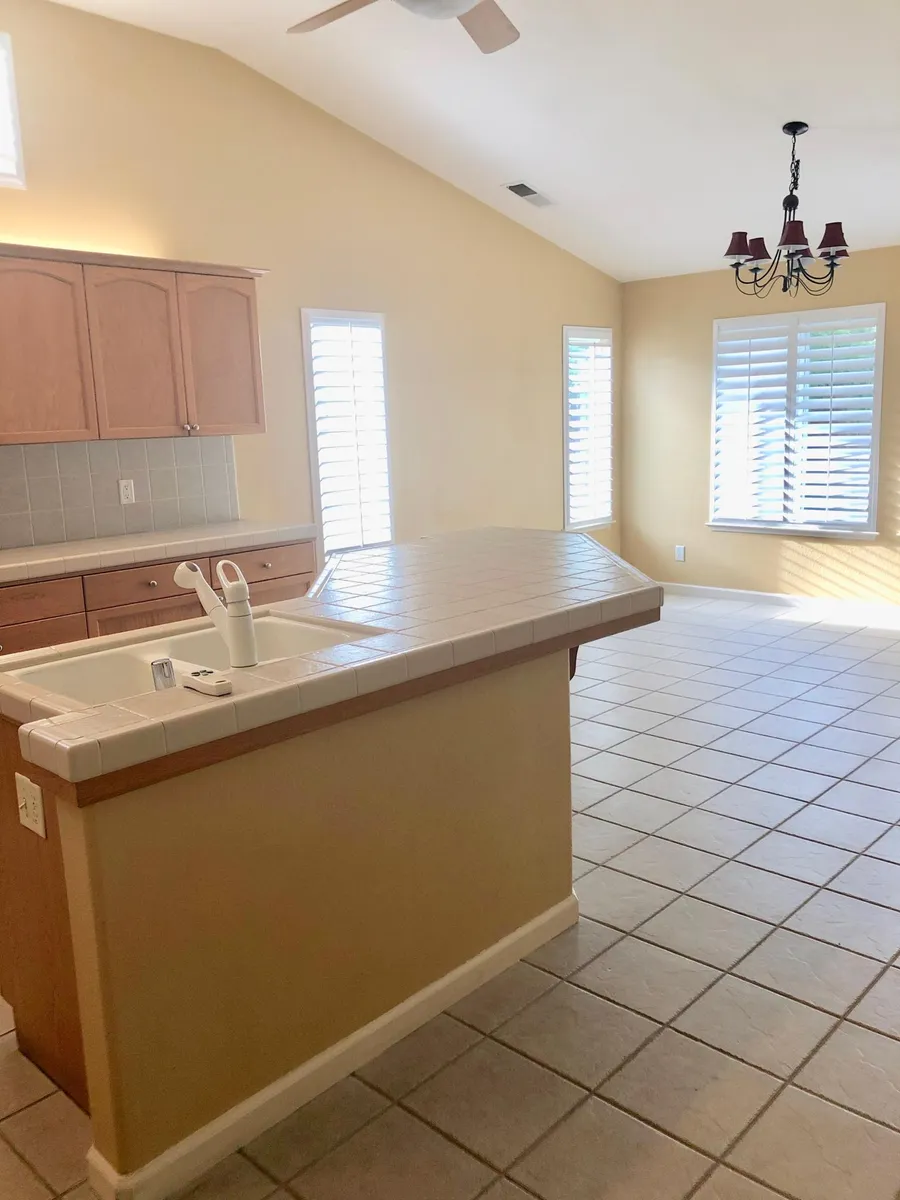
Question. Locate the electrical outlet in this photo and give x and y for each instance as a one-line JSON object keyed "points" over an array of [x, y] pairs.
{"points": [[31, 805], [126, 491], [679, 553]]}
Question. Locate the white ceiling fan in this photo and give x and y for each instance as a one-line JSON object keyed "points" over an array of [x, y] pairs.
{"points": [[483, 20]]}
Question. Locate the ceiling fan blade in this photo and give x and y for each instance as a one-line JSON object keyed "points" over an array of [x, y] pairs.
{"points": [[489, 27], [332, 14]]}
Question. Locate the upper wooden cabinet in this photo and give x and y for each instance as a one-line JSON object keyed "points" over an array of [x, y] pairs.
{"points": [[46, 388], [95, 345], [220, 336], [136, 347]]}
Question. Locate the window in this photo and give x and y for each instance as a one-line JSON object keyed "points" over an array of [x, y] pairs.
{"points": [[12, 173], [345, 371], [589, 426], [796, 406]]}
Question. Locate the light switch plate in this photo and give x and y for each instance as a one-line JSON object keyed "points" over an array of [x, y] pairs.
{"points": [[679, 553], [31, 805]]}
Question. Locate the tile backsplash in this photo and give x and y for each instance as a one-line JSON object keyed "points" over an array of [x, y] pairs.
{"points": [[66, 491]]}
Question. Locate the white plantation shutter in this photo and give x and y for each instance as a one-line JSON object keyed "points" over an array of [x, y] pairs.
{"points": [[795, 420], [11, 170], [345, 354], [589, 426]]}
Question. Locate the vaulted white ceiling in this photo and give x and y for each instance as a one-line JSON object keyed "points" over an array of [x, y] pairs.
{"points": [[653, 125]]}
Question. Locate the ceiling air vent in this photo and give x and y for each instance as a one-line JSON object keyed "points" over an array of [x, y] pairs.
{"points": [[527, 192]]}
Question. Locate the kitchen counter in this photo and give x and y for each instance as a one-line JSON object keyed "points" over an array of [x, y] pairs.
{"points": [[93, 554], [433, 607]]}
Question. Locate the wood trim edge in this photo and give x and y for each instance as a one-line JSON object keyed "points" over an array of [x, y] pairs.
{"points": [[157, 770]]}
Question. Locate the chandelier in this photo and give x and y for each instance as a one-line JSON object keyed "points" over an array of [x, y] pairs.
{"points": [[794, 266]]}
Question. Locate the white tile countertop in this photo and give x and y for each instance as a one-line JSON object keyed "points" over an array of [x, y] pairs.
{"points": [[432, 605], [72, 558]]}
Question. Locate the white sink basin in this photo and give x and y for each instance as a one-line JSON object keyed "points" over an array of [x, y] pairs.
{"points": [[109, 675]]}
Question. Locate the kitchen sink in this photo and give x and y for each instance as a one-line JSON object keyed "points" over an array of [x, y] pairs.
{"points": [[105, 676]]}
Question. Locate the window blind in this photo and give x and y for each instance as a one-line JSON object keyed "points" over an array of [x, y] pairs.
{"points": [[589, 426], [11, 169], [795, 420], [346, 371]]}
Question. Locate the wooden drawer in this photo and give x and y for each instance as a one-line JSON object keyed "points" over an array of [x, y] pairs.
{"points": [[32, 635], [134, 585], [268, 591], [126, 617], [273, 562], [29, 602]]}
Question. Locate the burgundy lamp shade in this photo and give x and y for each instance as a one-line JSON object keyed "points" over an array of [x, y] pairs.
{"points": [[833, 239], [758, 251], [794, 237], [738, 249]]}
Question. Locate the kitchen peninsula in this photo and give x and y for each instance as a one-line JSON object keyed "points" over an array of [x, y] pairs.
{"points": [[308, 869]]}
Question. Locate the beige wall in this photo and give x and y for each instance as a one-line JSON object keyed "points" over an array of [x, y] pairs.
{"points": [[148, 145], [666, 438], [234, 922]]}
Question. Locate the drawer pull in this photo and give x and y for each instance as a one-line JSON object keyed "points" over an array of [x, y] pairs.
{"points": [[194, 428], [186, 428], [268, 566], [152, 583]]}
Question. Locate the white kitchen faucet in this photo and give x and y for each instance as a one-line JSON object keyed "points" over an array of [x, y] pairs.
{"points": [[234, 618]]}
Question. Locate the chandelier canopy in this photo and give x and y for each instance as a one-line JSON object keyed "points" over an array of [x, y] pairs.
{"points": [[794, 266]]}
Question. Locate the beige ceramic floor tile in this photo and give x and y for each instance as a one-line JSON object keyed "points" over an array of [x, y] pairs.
{"points": [[501, 998], [597, 736], [494, 1102], [504, 1190], [600, 1153], [21, 1083], [596, 840], [667, 864], [878, 773], [54, 1137], [823, 975], [876, 803], [607, 767], [587, 792], [315, 1129], [419, 1056], [759, 1026], [647, 978], [16, 1181], [880, 1007], [233, 1179], [748, 804], [887, 847], [636, 811], [685, 729], [871, 879], [692, 1091], [680, 786], [622, 901], [705, 830], [815, 1151], [797, 858], [728, 1185], [754, 892], [859, 1069], [580, 866], [785, 781], [835, 828], [575, 948], [394, 1158], [715, 935], [577, 1034], [648, 747], [752, 745], [715, 765], [7, 1024], [851, 923]]}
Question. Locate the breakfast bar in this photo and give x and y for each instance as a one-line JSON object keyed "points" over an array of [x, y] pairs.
{"points": [[374, 822]]}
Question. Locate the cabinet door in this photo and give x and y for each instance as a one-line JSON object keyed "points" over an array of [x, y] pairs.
{"points": [[220, 336], [136, 348], [46, 388], [126, 617]]}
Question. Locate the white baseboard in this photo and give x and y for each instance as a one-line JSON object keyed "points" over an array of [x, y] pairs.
{"points": [[180, 1165], [823, 608]]}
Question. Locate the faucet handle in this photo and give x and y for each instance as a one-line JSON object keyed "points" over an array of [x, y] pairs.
{"points": [[163, 674]]}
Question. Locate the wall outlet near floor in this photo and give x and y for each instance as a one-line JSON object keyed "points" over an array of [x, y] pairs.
{"points": [[126, 491], [679, 553], [31, 805]]}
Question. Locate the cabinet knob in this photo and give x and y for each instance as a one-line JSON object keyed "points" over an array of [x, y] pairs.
{"points": [[268, 566], [152, 583], [186, 428], [194, 428]]}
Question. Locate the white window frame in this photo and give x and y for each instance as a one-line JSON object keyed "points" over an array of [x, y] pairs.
{"points": [[844, 532], [8, 96], [308, 316], [586, 331]]}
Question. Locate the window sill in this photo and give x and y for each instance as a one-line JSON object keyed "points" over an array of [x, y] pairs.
{"points": [[586, 526], [845, 535]]}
